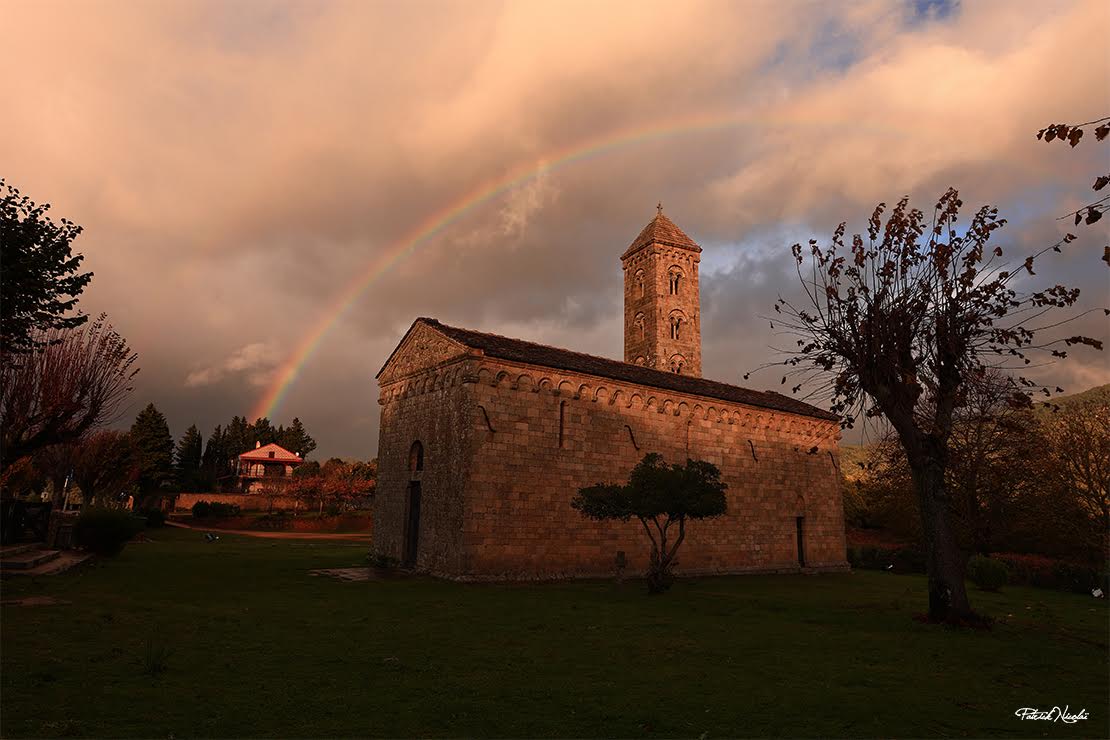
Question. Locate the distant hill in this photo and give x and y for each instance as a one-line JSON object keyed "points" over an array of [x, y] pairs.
{"points": [[851, 458], [1099, 393], [851, 455]]}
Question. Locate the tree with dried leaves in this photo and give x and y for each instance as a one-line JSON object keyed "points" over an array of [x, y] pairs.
{"points": [[337, 485], [897, 324], [68, 382], [989, 477], [39, 274], [1072, 133], [659, 496]]}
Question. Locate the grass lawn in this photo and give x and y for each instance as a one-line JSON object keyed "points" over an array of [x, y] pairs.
{"points": [[254, 646]]}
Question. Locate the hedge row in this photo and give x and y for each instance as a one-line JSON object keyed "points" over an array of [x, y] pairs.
{"points": [[1020, 570], [215, 509]]}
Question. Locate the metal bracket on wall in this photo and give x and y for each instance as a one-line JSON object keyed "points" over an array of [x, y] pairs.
{"points": [[486, 417], [632, 437]]}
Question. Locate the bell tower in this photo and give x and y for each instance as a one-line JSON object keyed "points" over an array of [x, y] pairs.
{"points": [[662, 307]]}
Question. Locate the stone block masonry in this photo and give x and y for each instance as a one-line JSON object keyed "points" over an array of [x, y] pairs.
{"points": [[485, 441], [507, 445]]}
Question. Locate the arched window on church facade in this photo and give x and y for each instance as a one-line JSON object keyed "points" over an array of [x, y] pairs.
{"points": [[640, 283], [677, 363], [676, 326], [639, 323], [641, 360], [416, 457], [675, 279]]}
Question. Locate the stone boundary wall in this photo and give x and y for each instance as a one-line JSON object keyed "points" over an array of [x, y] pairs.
{"points": [[245, 501]]}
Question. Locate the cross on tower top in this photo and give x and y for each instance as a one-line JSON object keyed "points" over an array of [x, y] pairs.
{"points": [[659, 208]]}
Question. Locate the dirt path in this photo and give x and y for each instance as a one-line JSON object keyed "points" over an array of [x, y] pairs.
{"points": [[349, 536]]}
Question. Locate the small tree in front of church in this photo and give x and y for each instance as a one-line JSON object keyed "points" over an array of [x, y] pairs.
{"points": [[660, 496]]}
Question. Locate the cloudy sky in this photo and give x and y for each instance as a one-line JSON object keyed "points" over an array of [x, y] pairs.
{"points": [[242, 168]]}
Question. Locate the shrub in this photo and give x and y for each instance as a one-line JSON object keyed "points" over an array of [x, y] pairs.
{"points": [[1061, 575], [987, 573], [215, 509], [155, 518], [894, 559], [222, 510], [105, 531], [377, 560]]}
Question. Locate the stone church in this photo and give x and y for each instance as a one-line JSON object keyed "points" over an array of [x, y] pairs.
{"points": [[486, 439]]}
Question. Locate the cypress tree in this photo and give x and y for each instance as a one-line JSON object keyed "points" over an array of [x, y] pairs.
{"points": [[153, 445], [188, 459]]}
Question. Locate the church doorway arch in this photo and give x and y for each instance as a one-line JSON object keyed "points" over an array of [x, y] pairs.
{"points": [[410, 548]]}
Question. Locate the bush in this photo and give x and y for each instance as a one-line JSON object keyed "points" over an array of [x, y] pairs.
{"points": [[222, 510], [215, 509], [1061, 575], [987, 573], [894, 559], [105, 531], [384, 562], [155, 518]]}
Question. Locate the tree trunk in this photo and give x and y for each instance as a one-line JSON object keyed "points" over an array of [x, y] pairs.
{"points": [[659, 575], [943, 559]]}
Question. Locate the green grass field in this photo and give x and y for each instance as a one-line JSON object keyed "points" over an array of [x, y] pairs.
{"points": [[252, 645]]}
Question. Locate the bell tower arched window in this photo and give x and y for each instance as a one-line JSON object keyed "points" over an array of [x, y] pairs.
{"points": [[639, 322], [416, 457], [676, 327], [675, 280]]}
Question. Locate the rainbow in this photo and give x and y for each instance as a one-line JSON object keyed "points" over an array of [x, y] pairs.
{"points": [[290, 370]]}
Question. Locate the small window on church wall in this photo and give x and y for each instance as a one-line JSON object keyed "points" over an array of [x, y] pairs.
{"points": [[640, 325], [676, 365], [676, 327], [641, 360], [676, 278], [640, 282], [416, 457], [562, 420], [271, 453]]}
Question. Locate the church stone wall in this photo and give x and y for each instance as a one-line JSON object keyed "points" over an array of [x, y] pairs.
{"points": [[537, 435], [431, 407]]}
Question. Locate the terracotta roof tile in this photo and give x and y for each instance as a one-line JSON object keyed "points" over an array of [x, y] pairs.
{"points": [[661, 230], [517, 350], [263, 453]]}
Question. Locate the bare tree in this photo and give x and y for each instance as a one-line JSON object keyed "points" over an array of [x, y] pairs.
{"points": [[989, 475], [71, 381], [103, 463], [1079, 452], [897, 323], [56, 462]]}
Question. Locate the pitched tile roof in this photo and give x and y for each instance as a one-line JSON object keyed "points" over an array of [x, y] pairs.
{"points": [[263, 453], [517, 350], [661, 230]]}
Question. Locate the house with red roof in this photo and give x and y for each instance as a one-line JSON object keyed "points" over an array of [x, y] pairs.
{"points": [[265, 463]]}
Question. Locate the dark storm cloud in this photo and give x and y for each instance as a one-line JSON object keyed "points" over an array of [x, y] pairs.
{"points": [[235, 165]]}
